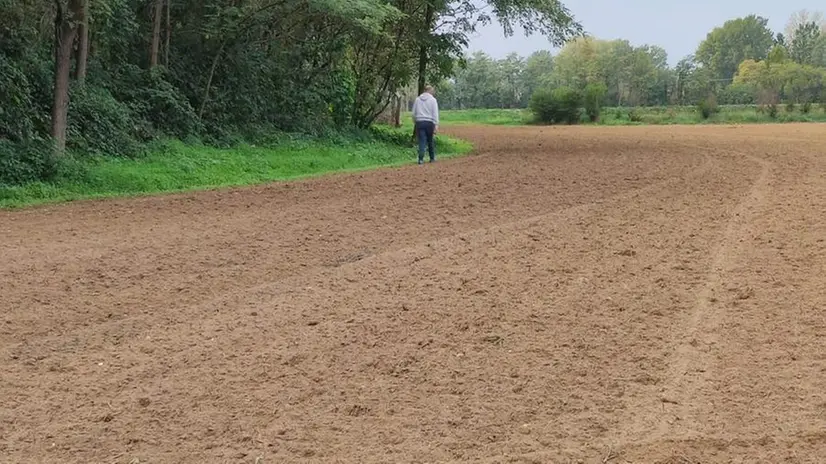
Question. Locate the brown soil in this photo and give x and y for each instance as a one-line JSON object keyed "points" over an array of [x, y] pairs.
{"points": [[566, 295]]}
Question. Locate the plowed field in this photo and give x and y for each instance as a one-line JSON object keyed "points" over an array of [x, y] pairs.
{"points": [[597, 295]]}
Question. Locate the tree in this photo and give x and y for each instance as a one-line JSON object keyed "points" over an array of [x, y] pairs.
{"points": [[456, 20], [481, 84], [82, 59], [511, 69], [67, 20], [819, 51], [157, 16], [802, 49], [800, 18], [684, 71], [782, 80], [539, 67], [739, 39], [632, 75], [575, 63]]}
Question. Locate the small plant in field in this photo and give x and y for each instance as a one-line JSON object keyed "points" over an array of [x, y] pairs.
{"points": [[790, 107], [594, 95], [708, 106], [634, 115], [772, 109], [806, 108]]}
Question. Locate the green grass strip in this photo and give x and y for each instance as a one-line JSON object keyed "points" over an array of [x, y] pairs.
{"points": [[174, 166]]}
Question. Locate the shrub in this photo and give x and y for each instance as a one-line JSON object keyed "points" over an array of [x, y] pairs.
{"points": [[16, 106], [634, 115], [101, 125], [392, 135], [790, 107], [737, 94], [771, 108], [164, 109], [557, 106], [167, 109], [594, 96], [806, 108], [28, 161], [708, 106]]}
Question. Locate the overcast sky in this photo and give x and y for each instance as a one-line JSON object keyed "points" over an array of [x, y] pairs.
{"points": [[677, 26]]}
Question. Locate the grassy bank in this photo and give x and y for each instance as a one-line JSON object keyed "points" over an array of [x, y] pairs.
{"points": [[174, 166], [729, 114]]}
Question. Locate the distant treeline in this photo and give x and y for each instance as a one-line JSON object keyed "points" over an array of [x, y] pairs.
{"points": [[741, 62]]}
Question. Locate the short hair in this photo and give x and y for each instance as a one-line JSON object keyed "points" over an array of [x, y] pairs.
{"points": [[428, 88]]}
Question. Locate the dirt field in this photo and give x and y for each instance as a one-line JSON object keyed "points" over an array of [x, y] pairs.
{"points": [[595, 295]]}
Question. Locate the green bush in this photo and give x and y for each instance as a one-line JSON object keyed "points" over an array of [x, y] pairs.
{"points": [[16, 108], [790, 107], [557, 106], [391, 135], [101, 125], [166, 108], [708, 106], [27, 161], [594, 96], [806, 108], [738, 94]]}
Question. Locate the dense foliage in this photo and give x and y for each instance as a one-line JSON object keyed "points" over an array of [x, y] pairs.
{"points": [[104, 77], [558, 106]]}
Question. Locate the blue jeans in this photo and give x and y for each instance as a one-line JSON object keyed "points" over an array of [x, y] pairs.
{"points": [[424, 133]]}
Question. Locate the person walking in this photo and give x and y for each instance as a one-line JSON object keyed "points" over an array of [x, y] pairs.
{"points": [[426, 122]]}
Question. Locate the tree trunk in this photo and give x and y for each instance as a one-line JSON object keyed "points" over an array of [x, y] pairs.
{"points": [[397, 110], [211, 75], [65, 33], [82, 59], [423, 48], [156, 34], [168, 33]]}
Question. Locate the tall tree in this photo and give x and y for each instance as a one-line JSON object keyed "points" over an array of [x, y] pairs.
{"points": [[800, 18], [819, 51], [739, 39], [684, 70], [802, 48], [511, 69], [539, 67], [168, 37], [66, 25], [157, 18], [82, 59], [481, 83]]}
